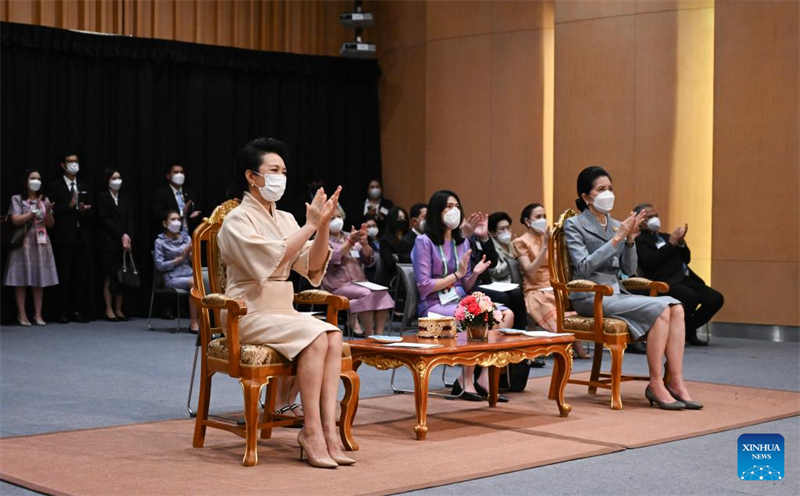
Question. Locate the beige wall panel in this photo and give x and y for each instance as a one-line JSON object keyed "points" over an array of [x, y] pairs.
{"points": [[22, 11], [521, 15], [575, 10], [185, 27], [756, 130], [594, 106], [452, 19], [756, 163], [206, 22], [663, 5], [164, 19], [758, 292], [515, 171], [458, 93], [402, 90], [399, 24], [224, 23]]}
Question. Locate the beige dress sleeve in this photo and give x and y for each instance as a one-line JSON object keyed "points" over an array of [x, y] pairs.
{"points": [[300, 264]]}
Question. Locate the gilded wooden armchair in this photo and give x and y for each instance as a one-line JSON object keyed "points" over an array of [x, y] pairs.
{"points": [[605, 332], [255, 366]]}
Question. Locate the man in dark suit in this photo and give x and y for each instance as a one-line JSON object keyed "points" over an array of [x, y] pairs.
{"points": [[175, 196], [416, 222], [70, 234], [665, 257]]}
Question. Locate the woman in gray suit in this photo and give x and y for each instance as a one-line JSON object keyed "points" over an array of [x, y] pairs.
{"points": [[599, 248]]}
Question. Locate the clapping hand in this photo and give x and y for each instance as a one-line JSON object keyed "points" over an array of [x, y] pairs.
{"points": [[470, 223], [482, 226], [126, 242], [630, 226], [463, 264], [678, 235], [481, 266], [321, 208]]}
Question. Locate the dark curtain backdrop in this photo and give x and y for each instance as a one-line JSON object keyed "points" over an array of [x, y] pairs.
{"points": [[137, 104]]}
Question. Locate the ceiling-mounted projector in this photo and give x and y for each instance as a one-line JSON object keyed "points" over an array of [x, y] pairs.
{"points": [[357, 19], [357, 50]]}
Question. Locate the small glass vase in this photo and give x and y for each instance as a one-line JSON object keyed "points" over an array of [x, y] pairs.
{"points": [[478, 332]]}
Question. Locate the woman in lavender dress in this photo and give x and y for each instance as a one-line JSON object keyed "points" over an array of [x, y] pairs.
{"points": [[31, 264], [351, 253], [172, 254], [441, 259]]}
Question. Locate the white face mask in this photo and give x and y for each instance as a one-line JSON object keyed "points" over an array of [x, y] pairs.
{"points": [[421, 227], [654, 224], [452, 218], [538, 225], [274, 186], [34, 184], [178, 178], [504, 237], [604, 202], [115, 184], [336, 225], [374, 193], [73, 167], [372, 232], [174, 226]]}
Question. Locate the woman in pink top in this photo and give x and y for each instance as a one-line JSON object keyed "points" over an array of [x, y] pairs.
{"points": [[351, 253]]}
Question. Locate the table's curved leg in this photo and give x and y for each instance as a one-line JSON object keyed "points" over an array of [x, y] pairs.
{"points": [[421, 372], [494, 385], [563, 359]]}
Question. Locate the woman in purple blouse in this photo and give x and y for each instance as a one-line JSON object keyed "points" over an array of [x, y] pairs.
{"points": [[352, 252], [441, 259]]}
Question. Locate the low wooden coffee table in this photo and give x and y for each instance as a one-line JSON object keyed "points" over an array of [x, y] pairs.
{"points": [[499, 351]]}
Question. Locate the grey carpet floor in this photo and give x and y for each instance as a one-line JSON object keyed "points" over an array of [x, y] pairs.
{"points": [[72, 376]]}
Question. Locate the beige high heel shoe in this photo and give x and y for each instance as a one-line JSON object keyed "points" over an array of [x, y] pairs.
{"points": [[342, 459], [314, 462]]}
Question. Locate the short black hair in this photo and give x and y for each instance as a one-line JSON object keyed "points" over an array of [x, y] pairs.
{"points": [[416, 209], [250, 157], [393, 224], [495, 219], [638, 208], [434, 226], [172, 164], [166, 213], [586, 180], [526, 212], [62, 159], [107, 173]]}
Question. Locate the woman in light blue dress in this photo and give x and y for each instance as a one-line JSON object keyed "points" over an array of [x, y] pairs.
{"points": [[601, 247], [172, 255]]}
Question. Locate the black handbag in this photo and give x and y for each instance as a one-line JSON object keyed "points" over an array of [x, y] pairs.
{"points": [[128, 276], [18, 237]]}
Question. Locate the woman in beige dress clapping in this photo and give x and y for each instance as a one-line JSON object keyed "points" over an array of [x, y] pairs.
{"points": [[260, 245]]}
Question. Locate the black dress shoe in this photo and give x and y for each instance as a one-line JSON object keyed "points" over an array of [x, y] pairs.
{"points": [[77, 317], [464, 395], [63, 319], [484, 394], [111, 319], [538, 363]]}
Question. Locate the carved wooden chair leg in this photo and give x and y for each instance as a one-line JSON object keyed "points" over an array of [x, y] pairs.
{"points": [[251, 391], [666, 373], [204, 397], [352, 384], [269, 408], [617, 352], [597, 361]]}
